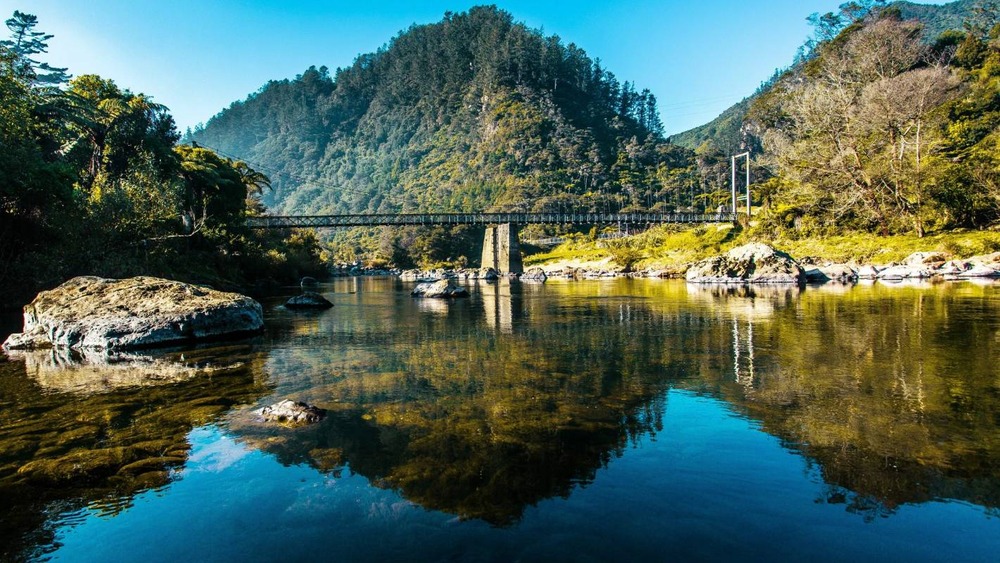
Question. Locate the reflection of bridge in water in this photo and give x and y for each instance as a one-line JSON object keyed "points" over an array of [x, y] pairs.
{"points": [[501, 248]]}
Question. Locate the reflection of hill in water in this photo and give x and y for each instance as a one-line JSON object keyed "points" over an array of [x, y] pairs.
{"points": [[61, 451], [469, 415], [482, 417]]}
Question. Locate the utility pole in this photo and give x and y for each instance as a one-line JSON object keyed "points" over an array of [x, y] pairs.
{"points": [[745, 155]]}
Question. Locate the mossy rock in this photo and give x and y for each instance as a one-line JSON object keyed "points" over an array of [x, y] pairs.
{"points": [[79, 466], [151, 480], [150, 464]]}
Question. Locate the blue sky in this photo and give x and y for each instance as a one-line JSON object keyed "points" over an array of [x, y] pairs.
{"points": [[198, 56]]}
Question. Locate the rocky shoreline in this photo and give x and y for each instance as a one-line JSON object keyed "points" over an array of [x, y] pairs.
{"points": [[733, 267]]}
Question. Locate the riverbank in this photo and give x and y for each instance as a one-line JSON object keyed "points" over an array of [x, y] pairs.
{"points": [[669, 251]]}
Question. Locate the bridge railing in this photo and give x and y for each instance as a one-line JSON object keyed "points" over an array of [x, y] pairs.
{"points": [[418, 219]]}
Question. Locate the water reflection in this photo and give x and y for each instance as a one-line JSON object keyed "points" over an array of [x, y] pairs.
{"points": [[67, 441], [499, 303], [891, 391], [100, 371], [486, 406], [524, 391]]}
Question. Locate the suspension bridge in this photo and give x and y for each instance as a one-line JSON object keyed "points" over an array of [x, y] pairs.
{"points": [[501, 247], [433, 219]]}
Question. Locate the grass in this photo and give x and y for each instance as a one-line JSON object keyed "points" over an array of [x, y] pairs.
{"points": [[859, 248], [672, 248]]}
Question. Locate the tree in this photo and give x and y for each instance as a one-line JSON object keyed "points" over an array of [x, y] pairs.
{"points": [[111, 130], [24, 43], [857, 134]]}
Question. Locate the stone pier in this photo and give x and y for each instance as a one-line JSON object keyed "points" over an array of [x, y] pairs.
{"points": [[501, 250]]}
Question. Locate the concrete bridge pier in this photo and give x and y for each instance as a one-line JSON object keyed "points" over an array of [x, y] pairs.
{"points": [[501, 249]]}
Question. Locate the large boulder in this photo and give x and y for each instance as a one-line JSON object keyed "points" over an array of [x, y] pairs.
{"points": [[96, 313], [750, 263], [441, 288]]}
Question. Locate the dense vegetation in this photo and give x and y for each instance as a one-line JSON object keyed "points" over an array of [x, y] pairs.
{"points": [[92, 181], [474, 113], [882, 132], [885, 124]]}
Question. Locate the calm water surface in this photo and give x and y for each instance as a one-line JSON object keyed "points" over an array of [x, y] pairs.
{"points": [[571, 421]]}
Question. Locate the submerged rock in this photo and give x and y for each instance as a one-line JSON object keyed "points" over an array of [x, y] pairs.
{"points": [[750, 263], [308, 300], [292, 412], [98, 313], [440, 288]]}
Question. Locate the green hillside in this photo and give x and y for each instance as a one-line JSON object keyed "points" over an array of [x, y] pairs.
{"points": [[476, 112]]}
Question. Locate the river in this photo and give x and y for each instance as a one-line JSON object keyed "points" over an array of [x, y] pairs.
{"points": [[613, 420]]}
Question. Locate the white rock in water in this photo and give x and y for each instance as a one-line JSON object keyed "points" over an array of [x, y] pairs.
{"points": [[292, 412], [440, 288], [95, 313]]}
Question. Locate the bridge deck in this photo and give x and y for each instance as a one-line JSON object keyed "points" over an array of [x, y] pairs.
{"points": [[417, 219]]}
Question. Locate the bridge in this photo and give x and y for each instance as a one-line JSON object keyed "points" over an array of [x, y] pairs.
{"points": [[501, 248], [432, 219]]}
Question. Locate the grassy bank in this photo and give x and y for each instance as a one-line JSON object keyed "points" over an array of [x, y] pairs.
{"points": [[672, 248]]}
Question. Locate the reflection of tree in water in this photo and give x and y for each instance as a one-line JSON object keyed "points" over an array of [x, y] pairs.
{"points": [[874, 386], [60, 452], [891, 392]]}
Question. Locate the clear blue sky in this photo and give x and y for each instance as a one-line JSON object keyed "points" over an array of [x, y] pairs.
{"points": [[198, 56]]}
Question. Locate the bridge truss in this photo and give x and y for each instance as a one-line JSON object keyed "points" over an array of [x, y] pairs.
{"points": [[429, 219]]}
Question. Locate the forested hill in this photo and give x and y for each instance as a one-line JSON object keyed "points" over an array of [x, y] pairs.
{"points": [[476, 112], [724, 132]]}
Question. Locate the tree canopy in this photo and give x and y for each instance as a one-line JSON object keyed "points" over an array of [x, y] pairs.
{"points": [[94, 182]]}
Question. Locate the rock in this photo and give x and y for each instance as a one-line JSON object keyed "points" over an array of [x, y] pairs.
{"points": [[534, 275], [489, 274], [841, 273], [815, 275], [410, 275], [308, 282], [96, 313], [750, 263], [77, 467], [868, 272], [292, 412], [440, 288], [954, 268], [931, 259], [308, 300], [981, 271], [905, 272]]}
